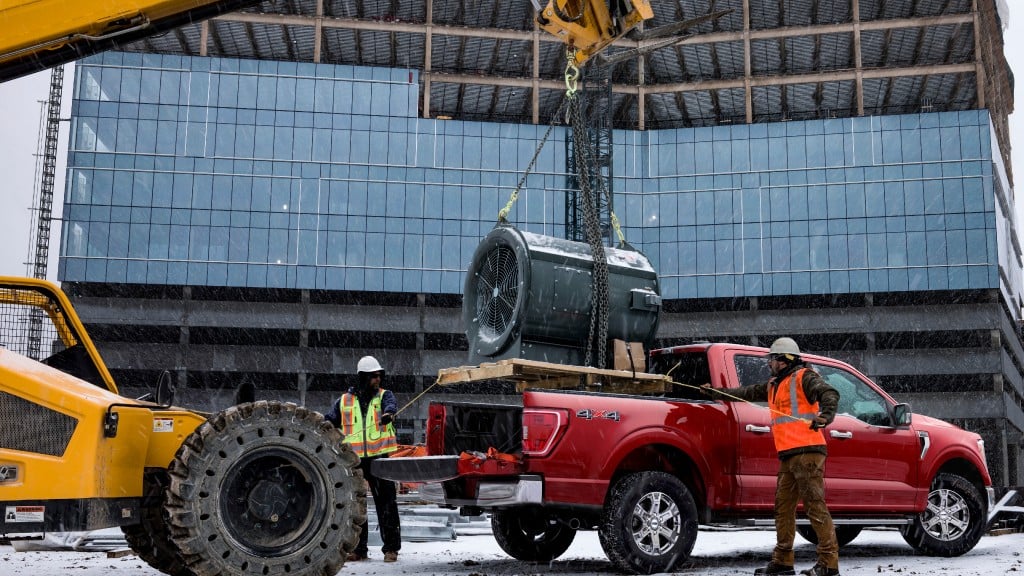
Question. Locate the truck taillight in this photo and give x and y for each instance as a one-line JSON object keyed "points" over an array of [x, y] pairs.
{"points": [[435, 430], [541, 429]]}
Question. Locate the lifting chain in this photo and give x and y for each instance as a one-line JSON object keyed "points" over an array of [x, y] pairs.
{"points": [[572, 74], [584, 159]]}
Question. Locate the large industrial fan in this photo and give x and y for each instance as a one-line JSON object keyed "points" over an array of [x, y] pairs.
{"points": [[530, 296]]}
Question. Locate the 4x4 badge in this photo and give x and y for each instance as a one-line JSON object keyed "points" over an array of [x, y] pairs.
{"points": [[588, 414]]}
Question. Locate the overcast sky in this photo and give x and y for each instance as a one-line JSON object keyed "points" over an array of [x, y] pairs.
{"points": [[20, 113]]}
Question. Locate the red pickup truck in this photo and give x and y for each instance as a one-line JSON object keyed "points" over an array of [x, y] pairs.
{"points": [[645, 471]]}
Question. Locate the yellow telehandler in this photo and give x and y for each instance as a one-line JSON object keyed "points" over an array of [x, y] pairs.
{"points": [[259, 488]]}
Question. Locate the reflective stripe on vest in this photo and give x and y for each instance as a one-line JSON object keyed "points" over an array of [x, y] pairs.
{"points": [[790, 428], [367, 438]]}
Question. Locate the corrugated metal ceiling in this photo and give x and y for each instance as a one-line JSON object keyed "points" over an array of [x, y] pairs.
{"points": [[491, 56]]}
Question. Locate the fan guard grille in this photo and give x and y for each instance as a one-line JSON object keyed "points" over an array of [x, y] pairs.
{"points": [[497, 292]]}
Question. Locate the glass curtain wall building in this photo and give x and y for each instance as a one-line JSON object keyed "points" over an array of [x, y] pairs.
{"points": [[199, 171], [262, 223]]}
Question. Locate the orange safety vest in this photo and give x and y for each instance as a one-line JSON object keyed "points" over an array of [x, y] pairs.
{"points": [[367, 438], [791, 410]]}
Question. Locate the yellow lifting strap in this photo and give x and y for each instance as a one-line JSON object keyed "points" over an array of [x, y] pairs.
{"points": [[572, 77]]}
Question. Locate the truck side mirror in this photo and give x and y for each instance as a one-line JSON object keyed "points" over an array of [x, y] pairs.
{"points": [[901, 412]]}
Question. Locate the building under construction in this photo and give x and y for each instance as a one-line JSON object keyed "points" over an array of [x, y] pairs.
{"points": [[256, 201]]}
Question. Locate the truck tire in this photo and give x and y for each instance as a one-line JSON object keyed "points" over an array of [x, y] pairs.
{"points": [[844, 533], [150, 539], [265, 488], [649, 523], [952, 523], [530, 534]]}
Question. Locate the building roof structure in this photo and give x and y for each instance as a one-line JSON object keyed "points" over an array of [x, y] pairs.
{"points": [[764, 61]]}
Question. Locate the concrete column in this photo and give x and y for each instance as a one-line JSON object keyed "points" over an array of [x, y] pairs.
{"points": [[859, 62], [427, 51], [419, 421], [747, 90], [979, 62], [641, 95], [318, 31], [204, 37]]}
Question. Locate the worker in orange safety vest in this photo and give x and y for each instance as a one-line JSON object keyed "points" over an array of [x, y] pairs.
{"points": [[802, 403]]}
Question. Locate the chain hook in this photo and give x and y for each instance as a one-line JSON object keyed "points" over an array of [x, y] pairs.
{"points": [[572, 72]]}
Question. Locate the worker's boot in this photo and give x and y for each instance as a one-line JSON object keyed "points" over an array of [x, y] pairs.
{"points": [[773, 568]]}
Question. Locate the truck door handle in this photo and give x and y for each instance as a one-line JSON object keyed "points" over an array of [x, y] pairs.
{"points": [[840, 435], [758, 429]]}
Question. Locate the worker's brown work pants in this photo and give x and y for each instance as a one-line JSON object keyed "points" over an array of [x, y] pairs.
{"points": [[802, 478]]}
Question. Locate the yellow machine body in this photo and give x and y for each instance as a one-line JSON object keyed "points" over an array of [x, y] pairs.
{"points": [[73, 452], [589, 26], [38, 34]]}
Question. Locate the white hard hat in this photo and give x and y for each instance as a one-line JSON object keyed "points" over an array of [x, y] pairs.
{"points": [[785, 345], [368, 364]]}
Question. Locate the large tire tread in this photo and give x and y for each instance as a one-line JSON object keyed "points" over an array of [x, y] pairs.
{"points": [[205, 539], [615, 532], [150, 539], [845, 533], [531, 535], [961, 489]]}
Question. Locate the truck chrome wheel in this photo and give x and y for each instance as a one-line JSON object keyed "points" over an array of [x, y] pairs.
{"points": [[656, 523], [947, 516], [954, 520], [649, 523]]}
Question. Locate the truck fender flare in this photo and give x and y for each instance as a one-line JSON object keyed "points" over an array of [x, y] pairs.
{"points": [[644, 437], [935, 461]]}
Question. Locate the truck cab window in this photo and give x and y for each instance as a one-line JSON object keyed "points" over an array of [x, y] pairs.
{"points": [[856, 398], [690, 369], [751, 370]]}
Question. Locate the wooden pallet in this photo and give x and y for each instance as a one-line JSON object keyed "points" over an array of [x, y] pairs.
{"points": [[537, 374]]}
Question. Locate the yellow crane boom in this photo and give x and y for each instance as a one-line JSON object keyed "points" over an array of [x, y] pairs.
{"points": [[39, 34]]}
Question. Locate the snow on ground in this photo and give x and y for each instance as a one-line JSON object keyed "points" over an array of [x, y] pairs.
{"points": [[717, 552]]}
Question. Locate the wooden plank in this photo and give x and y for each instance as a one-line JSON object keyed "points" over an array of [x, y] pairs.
{"points": [[120, 553], [537, 374]]}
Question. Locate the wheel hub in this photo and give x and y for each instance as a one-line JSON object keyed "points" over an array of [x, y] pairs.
{"points": [[947, 516], [268, 501], [656, 524]]}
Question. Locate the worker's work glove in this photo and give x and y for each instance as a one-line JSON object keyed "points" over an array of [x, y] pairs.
{"points": [[387, 418], [820, 421]]}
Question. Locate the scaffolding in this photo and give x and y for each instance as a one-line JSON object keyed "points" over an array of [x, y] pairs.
{"points": [[42, 201]]}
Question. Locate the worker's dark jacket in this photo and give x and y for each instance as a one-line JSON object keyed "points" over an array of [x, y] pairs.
{"points": [[815, 389]]}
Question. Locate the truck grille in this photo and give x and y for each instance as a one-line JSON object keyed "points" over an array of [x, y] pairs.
{"points": [[30, 427]]}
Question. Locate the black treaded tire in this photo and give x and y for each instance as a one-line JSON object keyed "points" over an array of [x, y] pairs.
{"points": [[952, 523], [530, 534], [150, 539], [265, 488], [845, 533], [649, 523]]}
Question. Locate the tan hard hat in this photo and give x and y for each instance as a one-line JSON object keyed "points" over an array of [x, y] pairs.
{"points": [[785, 345]]}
